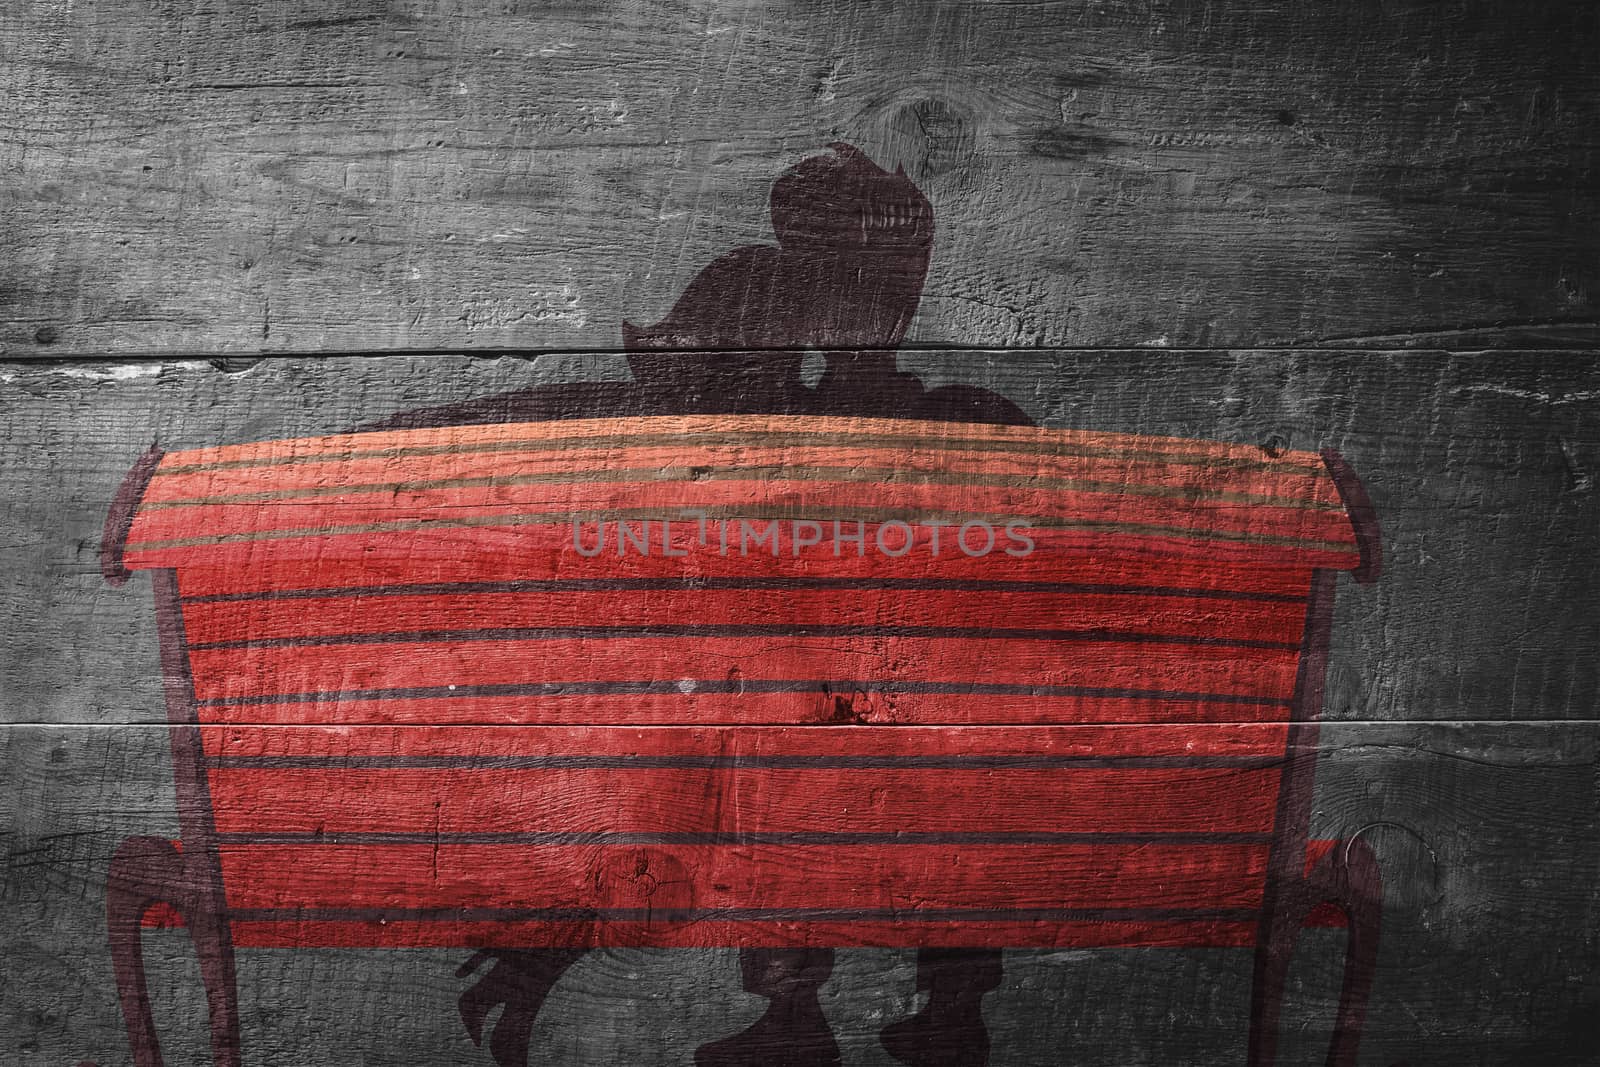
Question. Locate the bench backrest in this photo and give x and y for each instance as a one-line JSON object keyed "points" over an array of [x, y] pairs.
{"points": [[712, 680]]}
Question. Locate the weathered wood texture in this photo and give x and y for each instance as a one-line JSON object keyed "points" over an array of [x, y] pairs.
{"points": [[1381, 191], [226, 178], [1482, 471], [1490, 928]]}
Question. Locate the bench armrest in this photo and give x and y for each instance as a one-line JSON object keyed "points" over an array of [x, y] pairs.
{"points": [[119, 520], [1363, 516]]}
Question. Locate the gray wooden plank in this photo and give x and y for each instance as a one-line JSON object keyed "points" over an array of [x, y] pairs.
{"points": [[1491, 919], [222, 179]]}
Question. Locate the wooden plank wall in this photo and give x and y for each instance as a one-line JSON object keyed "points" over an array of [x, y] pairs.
{"points": [[1364, 224]]}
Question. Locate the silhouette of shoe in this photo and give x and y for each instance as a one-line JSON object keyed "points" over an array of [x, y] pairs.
{"points": [[945, 1033], [793, 1032], [949, 1031]]}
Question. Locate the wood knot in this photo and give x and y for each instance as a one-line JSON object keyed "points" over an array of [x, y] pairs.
{"points": [[931, 136], [649, 882], [854, 708]]}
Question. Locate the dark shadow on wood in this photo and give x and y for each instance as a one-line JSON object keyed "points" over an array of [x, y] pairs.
{"points": [[844, 280], [793, 1031], [518, 980], [949, 1031]]}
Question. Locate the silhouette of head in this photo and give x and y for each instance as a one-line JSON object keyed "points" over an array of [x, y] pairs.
{"points": [[847, 273], [844, 280], [845, 204]]}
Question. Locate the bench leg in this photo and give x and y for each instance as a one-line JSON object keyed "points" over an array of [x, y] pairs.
{"points": [[793, 1032], [1348, 878], [1273, 955], [130, 892], [520, 979], [949, 1030], [144, 872], [1359, 890]]}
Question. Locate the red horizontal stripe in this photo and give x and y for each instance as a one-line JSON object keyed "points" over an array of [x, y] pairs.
{"points": [[764, 876], [292, 933], [542, 551], [749, 800], [499, 555], [709, 709], [1298, 483], [1205, 617], [1204, 740], [561, 502], [232, 673]]}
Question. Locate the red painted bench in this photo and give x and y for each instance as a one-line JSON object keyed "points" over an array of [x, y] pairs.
{"points": [[413, 703]]}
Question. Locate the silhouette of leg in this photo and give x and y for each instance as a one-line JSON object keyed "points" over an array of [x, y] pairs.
{"points": [[949, 1030], [520, 979], [793, 1032]]}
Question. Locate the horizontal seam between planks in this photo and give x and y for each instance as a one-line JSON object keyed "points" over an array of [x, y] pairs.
{"points": [[1359, 344]]}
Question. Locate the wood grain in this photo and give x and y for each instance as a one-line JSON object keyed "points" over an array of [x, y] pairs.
{"points": [[1482, 470], [1134, 200], [219, 179], [1475, 824]]}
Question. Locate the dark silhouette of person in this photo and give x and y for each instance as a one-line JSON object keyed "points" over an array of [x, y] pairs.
{"points": [[844, 280]]}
